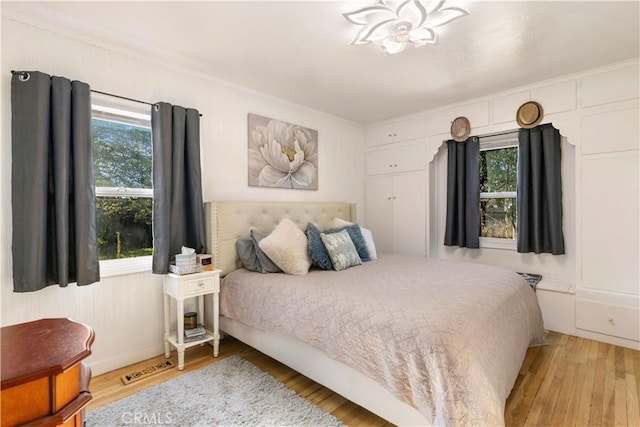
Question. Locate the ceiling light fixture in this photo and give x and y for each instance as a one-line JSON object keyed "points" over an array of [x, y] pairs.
{"points": [[393, 28]]}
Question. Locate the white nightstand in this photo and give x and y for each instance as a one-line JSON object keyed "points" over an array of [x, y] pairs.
{"points": [[180, 287]]}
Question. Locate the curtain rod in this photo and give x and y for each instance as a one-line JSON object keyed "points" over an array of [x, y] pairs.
{"points": [[24, 75], [506, 132], [120, 97], [126, 99]]}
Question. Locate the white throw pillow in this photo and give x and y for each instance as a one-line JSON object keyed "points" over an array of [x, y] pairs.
{"points": [[286, 246], [366, 233]]}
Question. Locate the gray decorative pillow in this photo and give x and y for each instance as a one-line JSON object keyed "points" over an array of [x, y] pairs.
{"points": [[317, 251], [264, 262], [247, 254], [252, 257], [341, 250]]}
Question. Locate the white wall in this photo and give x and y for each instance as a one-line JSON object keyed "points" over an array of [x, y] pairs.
{"points": [[126, 311]]}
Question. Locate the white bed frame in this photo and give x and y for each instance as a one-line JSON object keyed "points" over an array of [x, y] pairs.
{"points": [[228, 221]]}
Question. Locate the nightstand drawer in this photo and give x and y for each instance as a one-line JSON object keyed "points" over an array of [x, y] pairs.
{"points": [[199, 286]]}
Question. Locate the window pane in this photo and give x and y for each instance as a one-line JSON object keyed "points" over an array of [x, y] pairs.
{"points": [[498, 170], [122, 154], [124, 227], [498, 218]]}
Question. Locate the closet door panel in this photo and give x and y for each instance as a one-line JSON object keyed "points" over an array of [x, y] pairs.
{"points": [[379, 135], [379, 217], [409, 129], [610, 225], [401, 159], [409, 214]]}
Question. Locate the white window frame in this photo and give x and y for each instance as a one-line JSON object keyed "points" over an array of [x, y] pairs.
{"points": [[105, 107], [496, 142]]}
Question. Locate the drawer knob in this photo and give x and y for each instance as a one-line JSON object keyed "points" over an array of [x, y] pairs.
{"points": [[201, 284], [611, 321]]}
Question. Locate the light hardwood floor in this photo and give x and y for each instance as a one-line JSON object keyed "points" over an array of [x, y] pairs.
{"points": [[568, 382]]}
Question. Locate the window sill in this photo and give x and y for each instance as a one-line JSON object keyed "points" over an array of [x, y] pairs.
{"points": [[495, 243], [120, 267]]}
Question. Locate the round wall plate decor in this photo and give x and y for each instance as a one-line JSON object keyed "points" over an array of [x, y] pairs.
{"points": [[460, 129]]}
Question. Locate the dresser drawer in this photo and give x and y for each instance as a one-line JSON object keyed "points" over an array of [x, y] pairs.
{"points": [[609, 319]]}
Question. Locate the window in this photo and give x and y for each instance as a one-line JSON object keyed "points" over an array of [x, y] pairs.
{"points": [[122, 170], [498, 185]]}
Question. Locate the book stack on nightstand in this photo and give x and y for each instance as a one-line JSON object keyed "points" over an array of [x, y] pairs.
{"points": [[195, 334]]}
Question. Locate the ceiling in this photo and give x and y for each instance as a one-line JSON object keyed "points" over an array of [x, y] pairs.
{"points": [[300, 50]]}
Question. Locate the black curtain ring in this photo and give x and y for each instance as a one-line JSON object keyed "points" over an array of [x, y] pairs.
{"points": [[24, 76]]}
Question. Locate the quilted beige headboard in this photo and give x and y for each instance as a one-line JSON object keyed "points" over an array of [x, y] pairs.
{"points": [[228, 221]]}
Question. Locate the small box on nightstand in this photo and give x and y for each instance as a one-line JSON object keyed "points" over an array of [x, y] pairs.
{"points": [[204, 260]]}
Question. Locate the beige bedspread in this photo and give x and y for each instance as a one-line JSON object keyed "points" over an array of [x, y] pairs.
{"points": [[446, 337]]}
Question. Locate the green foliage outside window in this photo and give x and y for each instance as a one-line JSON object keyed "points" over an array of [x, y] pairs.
{"points": [[122, 155], [498, 170], [124, 227], [498, 173], [122, 159]]}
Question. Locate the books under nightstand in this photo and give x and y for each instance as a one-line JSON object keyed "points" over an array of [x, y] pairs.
{"points": [[194, 334]]}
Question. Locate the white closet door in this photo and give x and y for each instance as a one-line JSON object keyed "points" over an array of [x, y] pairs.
{"points": [[610, 225], [408, 129], [379, 218], [409, 214]]}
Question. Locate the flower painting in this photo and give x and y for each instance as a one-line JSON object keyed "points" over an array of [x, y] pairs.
{"points": [[282, 155]]}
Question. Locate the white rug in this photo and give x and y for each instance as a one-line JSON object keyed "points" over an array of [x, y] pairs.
{"points": [[232, 392]]}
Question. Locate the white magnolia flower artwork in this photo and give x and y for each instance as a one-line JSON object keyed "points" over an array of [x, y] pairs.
{"points": [[282, 155]]}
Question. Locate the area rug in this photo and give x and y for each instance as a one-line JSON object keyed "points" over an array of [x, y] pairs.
{"points": [[146, 372], [231, 392]]}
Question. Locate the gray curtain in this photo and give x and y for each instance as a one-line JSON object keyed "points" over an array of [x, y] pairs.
{"points": [[540, 190], [53, 193], [178, 210], [463, 194]]}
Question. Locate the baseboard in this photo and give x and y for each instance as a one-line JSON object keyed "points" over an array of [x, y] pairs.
{"points": [[101, 366], [621, 342]]}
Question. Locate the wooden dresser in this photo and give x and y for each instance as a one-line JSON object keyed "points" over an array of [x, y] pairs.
{"points": [[44, 381]]}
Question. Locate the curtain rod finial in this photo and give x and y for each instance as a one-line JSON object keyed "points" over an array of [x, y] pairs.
{"points": [[23, 76]]}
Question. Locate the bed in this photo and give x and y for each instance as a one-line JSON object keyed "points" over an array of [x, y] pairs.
{"points": [[416, 341]]}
